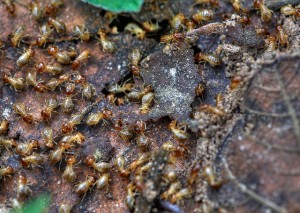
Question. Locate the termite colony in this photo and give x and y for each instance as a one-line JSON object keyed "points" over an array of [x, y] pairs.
{"points": [[65, 79]]}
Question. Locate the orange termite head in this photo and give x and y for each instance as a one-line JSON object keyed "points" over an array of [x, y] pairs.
{"points": [[107, 113], [297, 13], [89, 160], [245, 20], [5, 78], [140, 126], [28, 118], [40, 67], [71, 160], [39, 87], [66, 128], [52, 50], [257, 4], [119, 124], [75, 64]]}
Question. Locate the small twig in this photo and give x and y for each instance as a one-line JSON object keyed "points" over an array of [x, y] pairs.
{"points": [[275, 115], [251, 193], [276, 4], [291, 109], [216, 28], [272, 146]]}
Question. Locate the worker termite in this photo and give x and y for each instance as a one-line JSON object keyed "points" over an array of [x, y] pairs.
{"points": [[129, 200], [6, 171], [213, 3], [80, 32], [266, 13], [75, 119], [237, 6], [51, 105], [144, 168], [190, 25], [212, 59], [169, 177], [235, 82], [82, 57], [219, 101], [282, 36], [16, 83], [142, 142], [210, 176], [32, 160], [179, 131], [4, 124], [177, 151], [289, 10], [56, 155], [17, 35], [193, 174], [88, 89], [36, 11], [7, 143], [73, 138], [31, 80], [59, 26], [141, 160], [134, 58], [26, 148], [210, 109], [116, 88], [100, 166], [177, 22], [95, 118], [271, 43], [47, 134], [25, 57], [52, 69], [183, 193], [69, 174], [53, 83], [147, 102], [172, 37], [65, 208], [120, 164], [20, 109], [134, 29], [84, 186], [67, 105], [53, 7], [203, 15], [171, 190], [10, 6], [45, 32], [199, 90], [126, 133], [23, 189], [103, 181], [136, 96], [62, 57], [107, 45], [151, 27]]}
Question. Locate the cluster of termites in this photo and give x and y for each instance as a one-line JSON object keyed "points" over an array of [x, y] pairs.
{"points": [[65, 77]]}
